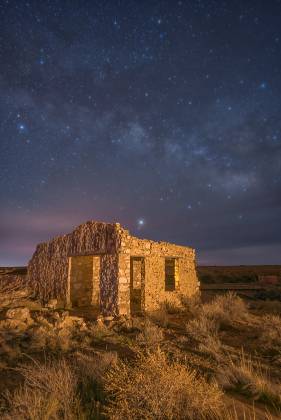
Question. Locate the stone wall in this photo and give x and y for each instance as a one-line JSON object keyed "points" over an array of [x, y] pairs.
{"points": [[154, 288], [48, 269]]}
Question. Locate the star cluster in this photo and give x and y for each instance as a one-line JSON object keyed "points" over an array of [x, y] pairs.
{"points": [[162, 115]]}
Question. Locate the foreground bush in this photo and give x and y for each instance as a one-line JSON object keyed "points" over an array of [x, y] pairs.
{"points": [[91, 369], [49, 392], [226, 309], [271, 332], [247, 378], [160, 317], [151, 336], [155, 389], [205, 331]]}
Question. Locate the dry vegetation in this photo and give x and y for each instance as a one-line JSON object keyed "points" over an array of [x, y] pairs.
{"points": [[218, 360], [154, 388]]}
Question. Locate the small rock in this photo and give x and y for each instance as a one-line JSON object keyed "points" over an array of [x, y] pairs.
{"points": [[20, 314], [71, 321], [13, 325], [108, 318], [52, 304]]}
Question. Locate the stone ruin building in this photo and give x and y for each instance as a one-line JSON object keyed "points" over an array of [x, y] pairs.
{"points": [[101, 266]]}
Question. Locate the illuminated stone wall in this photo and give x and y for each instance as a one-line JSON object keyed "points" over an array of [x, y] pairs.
{"points": [[49, 270], [154, 254], [110, 249]]}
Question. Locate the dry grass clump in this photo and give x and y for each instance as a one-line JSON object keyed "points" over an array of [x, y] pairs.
{"points": [[212, 346], [191, 305], [151, 336], [226, 309], [58, 390], [267, 306], [271, 332], [243, 376], [160, 317], [93, 366], [49, 392], [99, 331], [205, 331], [91, 369], [172, 307], [208, 319], [201, 328], [154, 388]]}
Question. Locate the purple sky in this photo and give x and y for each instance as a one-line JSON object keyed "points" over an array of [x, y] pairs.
{"points": [[161, 115]]}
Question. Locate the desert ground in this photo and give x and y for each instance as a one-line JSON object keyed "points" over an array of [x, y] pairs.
{"points": [[214, 357]]}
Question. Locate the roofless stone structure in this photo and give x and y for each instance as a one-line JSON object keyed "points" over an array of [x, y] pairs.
{"points": [[101, 265]]}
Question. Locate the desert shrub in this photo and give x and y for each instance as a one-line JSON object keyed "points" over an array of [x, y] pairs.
{"points": [[93, 366], [223, 309], [268, 306], [151, 336], [226, 309], [202, 327], [99, 331], [213, 347], [243, 376], [91, 369], [171, 307], [205, 332], [230, 412], [160, 317], [155, 388], [268, 294], [191, 305], [49, 392], [270, 337], [209, 317]]}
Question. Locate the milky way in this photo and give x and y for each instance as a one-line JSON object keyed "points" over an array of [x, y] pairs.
{"points": [[162, 115]]}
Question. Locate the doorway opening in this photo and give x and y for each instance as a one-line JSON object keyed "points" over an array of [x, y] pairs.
{"points": [[137, 275], [84, 281]]}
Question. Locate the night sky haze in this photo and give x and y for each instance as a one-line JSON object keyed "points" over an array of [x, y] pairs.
{"points": [[164, 116]]}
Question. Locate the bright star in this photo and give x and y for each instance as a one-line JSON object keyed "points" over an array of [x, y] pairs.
{"points": [[140, 223], [21, 127]]}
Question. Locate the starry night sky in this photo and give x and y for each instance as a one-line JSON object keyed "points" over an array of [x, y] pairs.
{"points": [[162, 115]]}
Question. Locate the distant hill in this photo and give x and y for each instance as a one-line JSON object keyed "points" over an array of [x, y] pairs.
{"points": [[206, 274], [13, 270], [236, 274]]}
